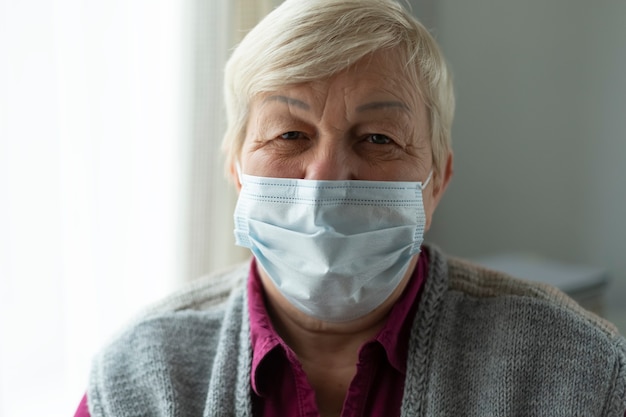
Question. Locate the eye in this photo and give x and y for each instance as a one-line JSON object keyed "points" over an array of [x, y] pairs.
{"points": [[291, 135], [379, 139]]}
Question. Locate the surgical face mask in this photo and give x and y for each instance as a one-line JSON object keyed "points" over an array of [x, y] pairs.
{"points": [[335, 250]]}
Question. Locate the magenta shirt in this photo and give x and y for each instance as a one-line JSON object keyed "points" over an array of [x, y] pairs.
{"points": [[82, 410], [279, 385]]}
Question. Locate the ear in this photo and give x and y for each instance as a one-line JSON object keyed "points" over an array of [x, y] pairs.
{"points": [[440, 184], [234, 175]]}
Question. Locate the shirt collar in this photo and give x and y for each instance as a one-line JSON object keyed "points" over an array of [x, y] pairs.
{"points": [[263, 337], [394, 336]]}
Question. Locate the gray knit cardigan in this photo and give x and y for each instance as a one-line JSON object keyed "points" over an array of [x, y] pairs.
{"points": [[482, 344]]}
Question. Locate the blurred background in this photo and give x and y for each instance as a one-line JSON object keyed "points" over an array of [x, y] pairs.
{"points": [[112, 191], [539, 135]]}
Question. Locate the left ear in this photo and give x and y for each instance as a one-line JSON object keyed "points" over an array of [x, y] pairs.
{"points": [[440, 184], [234, 175]]}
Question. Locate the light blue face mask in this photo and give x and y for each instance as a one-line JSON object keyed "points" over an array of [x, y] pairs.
{"points": [[335, 250]]}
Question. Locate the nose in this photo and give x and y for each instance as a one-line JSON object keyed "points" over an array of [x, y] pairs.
{"points": [[331, 163]]}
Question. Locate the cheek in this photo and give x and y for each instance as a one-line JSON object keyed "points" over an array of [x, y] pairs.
{"points": [[264, 163]]}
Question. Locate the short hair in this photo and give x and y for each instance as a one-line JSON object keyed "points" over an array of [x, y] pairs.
{"points": [[309, 40]]}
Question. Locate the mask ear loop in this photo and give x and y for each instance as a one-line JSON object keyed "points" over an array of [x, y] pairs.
{"points": [[425, 183]]}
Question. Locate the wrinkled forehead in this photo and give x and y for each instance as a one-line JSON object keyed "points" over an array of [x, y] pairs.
{"points": [[380, 77]]}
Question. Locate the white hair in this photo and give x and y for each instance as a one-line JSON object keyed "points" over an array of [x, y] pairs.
{"points": [[308, 40]]}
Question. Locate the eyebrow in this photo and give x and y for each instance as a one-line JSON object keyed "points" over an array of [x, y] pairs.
{"points": [[290, 101], [377, 105]]}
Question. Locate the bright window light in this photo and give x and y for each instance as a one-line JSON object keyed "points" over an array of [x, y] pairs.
{"points": [[94, 128]]}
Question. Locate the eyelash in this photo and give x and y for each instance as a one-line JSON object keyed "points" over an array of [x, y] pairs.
{"points": [[370, 138], [386, 138], [283, 136]]}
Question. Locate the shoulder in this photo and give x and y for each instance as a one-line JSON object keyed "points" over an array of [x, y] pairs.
{"points": [[199, 304], [478, 283], [168, 350], [524, 340], [205, 293]]}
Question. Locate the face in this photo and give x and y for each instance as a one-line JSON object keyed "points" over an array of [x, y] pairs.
{"points": [[365, 123]]}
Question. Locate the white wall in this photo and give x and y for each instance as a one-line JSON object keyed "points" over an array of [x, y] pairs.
{"points": [[540, 131]]}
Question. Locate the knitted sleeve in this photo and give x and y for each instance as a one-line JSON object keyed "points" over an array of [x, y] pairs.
{"points": [[616, 405]]}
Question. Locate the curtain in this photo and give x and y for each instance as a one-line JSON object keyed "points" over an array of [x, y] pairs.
{"points": [[219, 26], [112, 189]]}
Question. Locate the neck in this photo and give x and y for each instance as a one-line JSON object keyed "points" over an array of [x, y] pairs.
{"points": [[323, 342], [327, 351], [326, 342]]}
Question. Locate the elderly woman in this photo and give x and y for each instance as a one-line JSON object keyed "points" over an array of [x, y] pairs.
{"points": [[339, 115]]}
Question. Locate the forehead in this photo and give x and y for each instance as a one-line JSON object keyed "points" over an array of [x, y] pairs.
{"points": [[380, 76]]}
